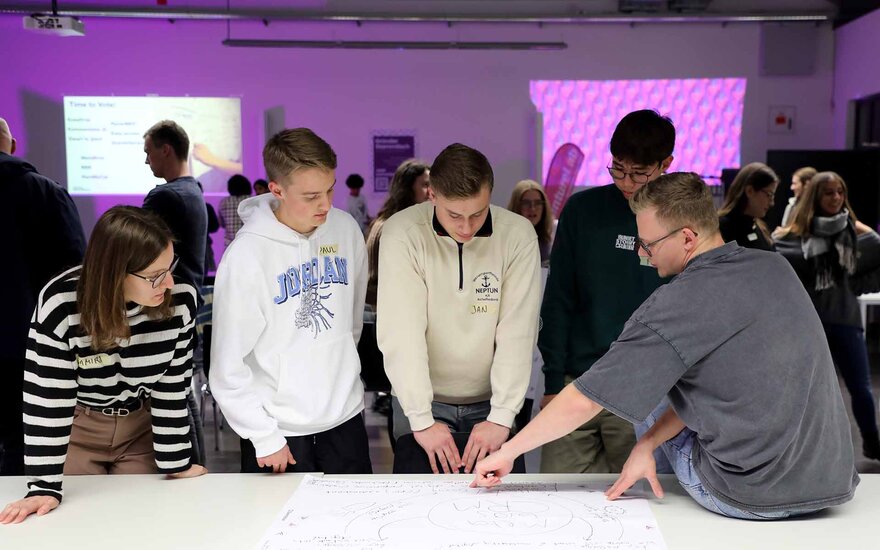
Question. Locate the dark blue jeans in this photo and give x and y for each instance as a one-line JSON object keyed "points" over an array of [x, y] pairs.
{"points": [[850, 354], [459, 418]]}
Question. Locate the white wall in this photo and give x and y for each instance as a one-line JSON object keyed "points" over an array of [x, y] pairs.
{"points": [[856, 68]]}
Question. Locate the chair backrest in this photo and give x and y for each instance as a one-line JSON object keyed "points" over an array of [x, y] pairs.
{"points": [[410, 458]]}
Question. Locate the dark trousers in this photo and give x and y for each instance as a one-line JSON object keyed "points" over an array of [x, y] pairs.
{"points": [[525, 415], [340, 450], [850, 354], [11, 425]]}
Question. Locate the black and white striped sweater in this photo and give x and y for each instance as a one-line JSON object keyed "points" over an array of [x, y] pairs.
{"points": [[62, 370]]}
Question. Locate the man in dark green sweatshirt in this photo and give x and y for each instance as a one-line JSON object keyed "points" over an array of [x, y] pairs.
{"points": [[596, 282]]}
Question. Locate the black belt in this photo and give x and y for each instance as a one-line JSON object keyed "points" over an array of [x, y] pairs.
{"points": [[123, 409]]}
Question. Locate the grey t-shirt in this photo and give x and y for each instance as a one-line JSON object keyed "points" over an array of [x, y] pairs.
{"points": [[735, 342]]}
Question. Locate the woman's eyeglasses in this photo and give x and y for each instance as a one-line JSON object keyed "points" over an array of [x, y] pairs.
{"points": [[157, 280]]}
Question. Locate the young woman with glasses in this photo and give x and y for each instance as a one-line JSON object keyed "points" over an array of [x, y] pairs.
{"points": [[749, 198], [108, 364], [529, 200]]}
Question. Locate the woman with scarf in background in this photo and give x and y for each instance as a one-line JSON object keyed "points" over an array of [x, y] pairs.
{"points": [[837, 258]]}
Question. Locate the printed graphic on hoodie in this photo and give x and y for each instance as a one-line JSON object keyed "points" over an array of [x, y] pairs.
{"points": [[312, 281]]}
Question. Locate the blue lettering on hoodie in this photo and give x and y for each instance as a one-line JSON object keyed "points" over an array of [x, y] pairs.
{"points": [[309, 275]]}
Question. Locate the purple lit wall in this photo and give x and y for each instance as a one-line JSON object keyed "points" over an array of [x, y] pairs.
{"points": [[480, 98], [707, 114], [856, 68]]}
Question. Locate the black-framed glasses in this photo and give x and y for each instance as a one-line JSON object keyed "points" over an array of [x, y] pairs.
{"points": [[636, 177], [647, 246], [156, 280]]}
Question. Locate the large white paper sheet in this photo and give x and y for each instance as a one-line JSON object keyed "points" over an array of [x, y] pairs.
{"points": [[380, 514]]}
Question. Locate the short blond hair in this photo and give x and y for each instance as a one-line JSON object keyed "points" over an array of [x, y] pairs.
{"points": [[682, 199], [293, 149]]}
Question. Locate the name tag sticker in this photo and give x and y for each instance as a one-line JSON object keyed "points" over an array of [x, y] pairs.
{"points": [[483, 307], [329, 249], [93, 361], [625, 242], [645, 261], [752, 237]]}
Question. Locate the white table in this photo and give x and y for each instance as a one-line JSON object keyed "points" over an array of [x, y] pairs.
{"points": [[866, 300], [220, 511]]}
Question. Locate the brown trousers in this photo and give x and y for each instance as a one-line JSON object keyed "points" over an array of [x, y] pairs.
{"points": [[101, 444]]}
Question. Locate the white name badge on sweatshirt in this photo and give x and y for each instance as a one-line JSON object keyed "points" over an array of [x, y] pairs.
{"points": [[329, 249], [93, 361], [625, 242], [752, 237]]}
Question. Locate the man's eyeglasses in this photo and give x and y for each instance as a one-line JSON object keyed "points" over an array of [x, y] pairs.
{"points": [[532, 204], [647, 246], [636, 177], [156, 280]]}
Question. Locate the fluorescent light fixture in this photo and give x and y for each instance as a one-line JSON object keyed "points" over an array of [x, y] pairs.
{"points": [[392, 45]]}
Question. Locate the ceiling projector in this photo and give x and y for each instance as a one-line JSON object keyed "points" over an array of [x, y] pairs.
{"points": [[59, 25]]}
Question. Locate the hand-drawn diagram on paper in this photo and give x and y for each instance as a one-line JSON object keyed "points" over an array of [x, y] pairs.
{"points": [[381, 514]]}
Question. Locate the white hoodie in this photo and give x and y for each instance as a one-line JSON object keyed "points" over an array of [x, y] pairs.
{"points": [[287, 316]]}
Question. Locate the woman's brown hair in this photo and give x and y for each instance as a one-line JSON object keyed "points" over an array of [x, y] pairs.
{"points": [[756, 175], [125, 240], [545, 226], [808, 205], [400, 192]]}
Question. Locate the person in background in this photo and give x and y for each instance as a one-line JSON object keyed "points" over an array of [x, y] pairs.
{"points": [[595, 283], [356, 205], [530, 201], [409, 186], [799, 180], [43, 236], [750, 196], [213, 227], [109, 364], [837, 257], [181, 205], [239, 189], [179, 201], [261, 187]]}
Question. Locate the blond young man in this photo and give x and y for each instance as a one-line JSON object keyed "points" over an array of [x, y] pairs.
{"points": [[459, 289], [288, 313], [756, 428]]}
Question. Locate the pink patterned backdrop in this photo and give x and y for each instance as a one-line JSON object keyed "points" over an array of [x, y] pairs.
{"points": [[707, 113]]}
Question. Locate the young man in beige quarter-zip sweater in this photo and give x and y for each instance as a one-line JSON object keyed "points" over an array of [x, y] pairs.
{"points": [[459, 292]]}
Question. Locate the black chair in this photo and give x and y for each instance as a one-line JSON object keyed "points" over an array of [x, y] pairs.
{"points": [[410, 458]]}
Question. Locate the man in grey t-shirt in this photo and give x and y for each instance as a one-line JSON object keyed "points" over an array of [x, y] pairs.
{"points": [[757, 427]]}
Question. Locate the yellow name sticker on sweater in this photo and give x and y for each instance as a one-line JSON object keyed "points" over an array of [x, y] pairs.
{"points": [[329, 249], [484, 307], [93, 361]]}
